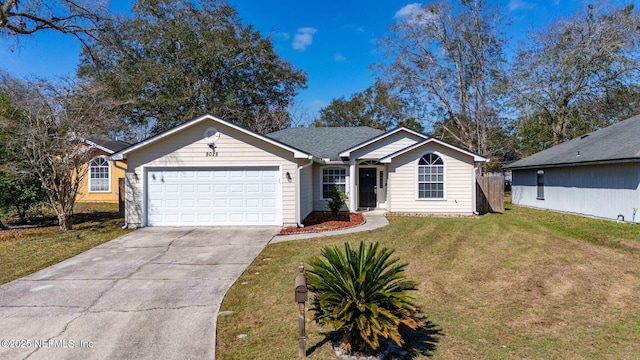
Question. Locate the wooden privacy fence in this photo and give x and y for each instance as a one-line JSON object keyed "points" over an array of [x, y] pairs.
{"points": [[490, 193]]}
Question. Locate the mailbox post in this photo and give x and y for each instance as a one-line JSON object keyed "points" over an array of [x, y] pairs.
{"points": [[301, 296]]}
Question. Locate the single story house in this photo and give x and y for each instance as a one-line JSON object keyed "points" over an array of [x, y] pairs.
{"points": [[100, 185], [208, 171], [597, 174]]}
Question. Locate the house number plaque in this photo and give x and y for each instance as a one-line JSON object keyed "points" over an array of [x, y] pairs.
{"points": [[211, 154]]}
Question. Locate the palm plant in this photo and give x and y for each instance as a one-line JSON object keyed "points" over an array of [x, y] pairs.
{"points": [[364, 293]]}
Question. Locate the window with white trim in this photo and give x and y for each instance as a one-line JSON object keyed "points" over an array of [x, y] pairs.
{"points": [[430, 177], [540, 185], [331, 177], [99, 175]]}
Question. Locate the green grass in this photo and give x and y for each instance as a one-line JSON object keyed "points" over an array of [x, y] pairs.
{"points": [[25, 251], [524, 284]]}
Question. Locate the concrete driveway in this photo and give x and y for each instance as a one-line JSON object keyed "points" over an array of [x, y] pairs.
{"points": [[151, 294]]}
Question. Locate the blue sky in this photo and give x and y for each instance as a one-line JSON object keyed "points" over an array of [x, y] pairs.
{"points": [[334, 42]]}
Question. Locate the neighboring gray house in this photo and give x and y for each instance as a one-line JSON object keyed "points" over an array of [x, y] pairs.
{"points": [[597, 174], [208, 171]]}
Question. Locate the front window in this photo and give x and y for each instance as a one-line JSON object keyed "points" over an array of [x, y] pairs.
{"points": [[99, 180], [333, 177], [431, 177], [540, 184]]}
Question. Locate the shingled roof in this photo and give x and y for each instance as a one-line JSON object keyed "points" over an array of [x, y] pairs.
{"points": [[325, 142], [618, 142], [107, 143]]}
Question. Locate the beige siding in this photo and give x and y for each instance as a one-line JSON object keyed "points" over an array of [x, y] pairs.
{"points": [[189, 148], [386, 146], [402, 183], [320, 204], [306, 191]]}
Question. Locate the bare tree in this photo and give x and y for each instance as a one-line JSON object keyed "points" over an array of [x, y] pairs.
{"points": [[55, 117], [80, 18], [448, 61], [577, 61]]}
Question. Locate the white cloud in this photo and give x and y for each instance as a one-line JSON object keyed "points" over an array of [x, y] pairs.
{"points": [[317, 104], [338, 57], [408, 10], [282, 35], [515, 5], [303, 38], [415, 14]]}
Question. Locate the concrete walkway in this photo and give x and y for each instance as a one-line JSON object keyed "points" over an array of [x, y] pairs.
{"points": [[374, 219], [151, 294]]}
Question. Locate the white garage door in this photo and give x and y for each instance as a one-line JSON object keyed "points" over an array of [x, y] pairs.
{"points": [[220, 196]]}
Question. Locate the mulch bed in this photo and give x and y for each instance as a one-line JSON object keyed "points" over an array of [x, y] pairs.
{"points": [[319, 221]]}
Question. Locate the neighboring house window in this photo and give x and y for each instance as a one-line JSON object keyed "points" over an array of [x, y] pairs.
{"points": [[430, 177], [540, 184], [99, 175], [333, 177]]}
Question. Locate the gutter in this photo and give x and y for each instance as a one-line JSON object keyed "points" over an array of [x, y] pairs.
{"points": [[572, 164], [300, 168], [115, 163]]}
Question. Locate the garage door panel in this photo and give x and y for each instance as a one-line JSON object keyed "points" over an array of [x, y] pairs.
{"points": [[269, 203], [204, 203], [188, 203], [204, 188], [268, 188], [204, 218], [188, 188], [253, 203], [200, 197]]}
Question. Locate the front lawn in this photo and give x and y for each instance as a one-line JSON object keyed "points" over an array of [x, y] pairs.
{"points": [[26, 250], [524, 284]]}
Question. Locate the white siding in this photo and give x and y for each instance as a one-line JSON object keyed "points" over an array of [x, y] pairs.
{"points": [[189, 148], [459, 182], [386, 146], [595, 190]]}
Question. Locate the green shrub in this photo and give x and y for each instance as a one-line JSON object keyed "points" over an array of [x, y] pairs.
{"points": [[363, 293], [336, 200]]}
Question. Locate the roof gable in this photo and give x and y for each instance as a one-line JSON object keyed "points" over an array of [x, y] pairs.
{"points": [[208, 117], [618, 142], [325, 142], [476, 157], [347, 152]]}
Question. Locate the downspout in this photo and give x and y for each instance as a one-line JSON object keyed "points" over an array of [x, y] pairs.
{"points": [[298, 213], [126, 224], [474, 189]]}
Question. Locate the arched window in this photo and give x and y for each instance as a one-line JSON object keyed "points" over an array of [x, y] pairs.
{"points": [[430, 177], [99, 175]]}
